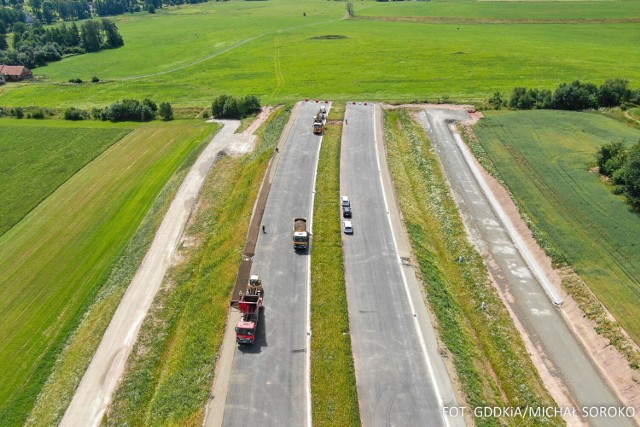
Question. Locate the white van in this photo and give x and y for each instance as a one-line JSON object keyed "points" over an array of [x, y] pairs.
{"points": [[345, 201], [347, 227]]}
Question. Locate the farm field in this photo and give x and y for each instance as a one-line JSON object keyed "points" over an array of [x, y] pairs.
{"points": [[188, 55], [55, 260], [544, 158], [37, 157]]}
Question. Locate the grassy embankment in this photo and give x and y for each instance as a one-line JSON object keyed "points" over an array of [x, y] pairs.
{"points": [[170, 371], [55, 261], [193, 53], [492, 363], [544, 158], [38, 157], [334, 396]]}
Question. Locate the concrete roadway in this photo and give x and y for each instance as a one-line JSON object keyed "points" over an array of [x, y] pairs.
{"points": [[400, 376], [516, 274], [101, 378], [269, 383]]}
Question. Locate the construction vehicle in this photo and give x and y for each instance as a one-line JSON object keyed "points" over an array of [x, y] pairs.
{"points": [[319, 121], [300, 234], [250, 305]]}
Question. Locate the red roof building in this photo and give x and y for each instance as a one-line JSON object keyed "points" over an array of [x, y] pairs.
{"points": [[15, 73]]}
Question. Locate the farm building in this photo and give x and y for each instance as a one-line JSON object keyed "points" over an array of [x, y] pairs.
{"points": [[15, 73]]}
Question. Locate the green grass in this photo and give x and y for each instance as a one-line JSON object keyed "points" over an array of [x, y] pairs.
{"points": [[334, 396], [35, 160], [170, 371], [80, 348], [544, 158], [57, 258], [193, 53], [492, 364]]}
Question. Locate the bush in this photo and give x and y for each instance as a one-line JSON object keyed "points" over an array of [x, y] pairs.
{"points": [[230, 107], [130, 110], [37, 114], [18, 112], [95, 79], [75, 81], [165, 111], [75, 114], [610, 157]]}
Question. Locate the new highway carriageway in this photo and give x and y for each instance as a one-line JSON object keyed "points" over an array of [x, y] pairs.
{"points": [[401, 379], [269, 380]]}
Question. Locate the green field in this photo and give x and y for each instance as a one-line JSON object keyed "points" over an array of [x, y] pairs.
{"points": [[55, 260], [544, 159], [37, 157], [188, 55]]}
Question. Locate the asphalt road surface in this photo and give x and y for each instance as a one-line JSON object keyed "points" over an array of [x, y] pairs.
{"points": [[269, 383], [532, 300], [399, 382], [101, 378]]}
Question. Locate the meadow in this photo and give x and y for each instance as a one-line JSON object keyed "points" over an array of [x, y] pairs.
{"points": [[55, 260], [38, 157], [544, 157], [188, 55]]}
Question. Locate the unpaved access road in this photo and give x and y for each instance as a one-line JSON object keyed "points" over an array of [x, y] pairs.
{"points": [[103, 374], [517, 275], [400, 375]]}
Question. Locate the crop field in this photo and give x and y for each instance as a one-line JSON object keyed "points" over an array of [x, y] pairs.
{"points": [[55, 260], [544, 158], [188, 55], [38, 157]]}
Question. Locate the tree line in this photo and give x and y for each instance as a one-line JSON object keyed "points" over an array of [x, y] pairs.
{"points": [[570, 96], [231, 107], [35, 46]]}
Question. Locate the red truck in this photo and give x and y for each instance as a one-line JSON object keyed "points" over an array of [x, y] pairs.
{"points": [[250, 305]]}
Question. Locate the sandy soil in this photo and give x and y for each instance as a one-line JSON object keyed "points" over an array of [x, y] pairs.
{"points": [[623, 380]]}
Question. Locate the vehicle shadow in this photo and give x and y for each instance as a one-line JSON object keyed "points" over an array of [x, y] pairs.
{"points": [[261, 337]]}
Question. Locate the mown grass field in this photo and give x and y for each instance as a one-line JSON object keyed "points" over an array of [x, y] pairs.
{"points": [[170, 371], [544, 158], [37, 157], [492, 364], [57, 258], [334, 397], [188, 55]]}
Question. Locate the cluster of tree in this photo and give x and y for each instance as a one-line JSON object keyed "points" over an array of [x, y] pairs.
{"points": [[573, 96], [622, 165], [131, 110], [49, 11], [231, 107], [35, 46]]}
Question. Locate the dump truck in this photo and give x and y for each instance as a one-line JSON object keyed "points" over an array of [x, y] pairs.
{"points": [[250, 305], [319, 121], [300, 234]]}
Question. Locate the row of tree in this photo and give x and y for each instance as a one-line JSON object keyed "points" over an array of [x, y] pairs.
{"points": [[35, 46], [134, 111], [570, 96], [622, 164]]}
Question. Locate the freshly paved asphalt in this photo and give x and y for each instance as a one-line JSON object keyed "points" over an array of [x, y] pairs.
{"points": [[394, 369], [532, 301], [102, 376], [269, 383]]}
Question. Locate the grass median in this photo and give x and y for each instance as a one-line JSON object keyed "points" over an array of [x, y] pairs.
{"points": [[169, 373], [493, 366], [334, 397]]}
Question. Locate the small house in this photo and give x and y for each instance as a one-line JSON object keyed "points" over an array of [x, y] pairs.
{"points": [[15, 73]]}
